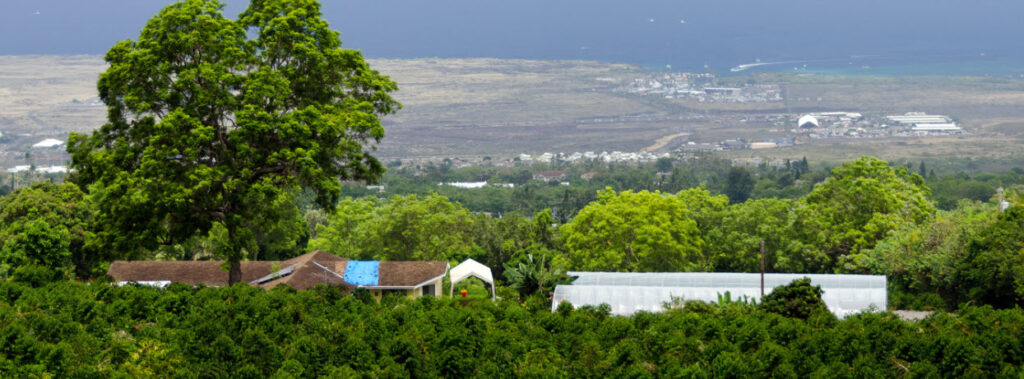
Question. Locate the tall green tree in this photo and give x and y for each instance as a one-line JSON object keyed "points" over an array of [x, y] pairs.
{"points": [[858, 205], [419, 228], [738, 184], [993, 271], [733, 242], [342, 234], [211, 120], [633, 231], [402, 228], [928, 258], [47, 225]]}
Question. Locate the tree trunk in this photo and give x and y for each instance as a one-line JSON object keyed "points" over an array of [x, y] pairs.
{"points": [[234, 259], [235, 273]]}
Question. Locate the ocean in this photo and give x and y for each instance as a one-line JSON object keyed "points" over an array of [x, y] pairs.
{"points": [[847, 37]]}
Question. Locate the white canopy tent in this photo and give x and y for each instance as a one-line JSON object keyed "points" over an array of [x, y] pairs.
{"points": [[472, 268]]}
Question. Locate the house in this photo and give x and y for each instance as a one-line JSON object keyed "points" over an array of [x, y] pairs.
{"points": [[549, 176], [412, 279]]}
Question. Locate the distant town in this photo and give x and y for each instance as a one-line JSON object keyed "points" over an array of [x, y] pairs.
{"points": [[700, 87], [48, 155]]}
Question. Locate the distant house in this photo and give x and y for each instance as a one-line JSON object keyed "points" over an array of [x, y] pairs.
{"points": [[412, 279], [549, 176], [588, 176]]}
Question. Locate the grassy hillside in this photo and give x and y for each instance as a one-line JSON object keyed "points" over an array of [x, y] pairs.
{"points": [[500, 108]]}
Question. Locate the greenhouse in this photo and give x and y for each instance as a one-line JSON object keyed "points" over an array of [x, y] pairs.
{"points": [[628, 293]]}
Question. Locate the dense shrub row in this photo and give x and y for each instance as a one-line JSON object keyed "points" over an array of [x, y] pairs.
{"points": [[97, 330]]}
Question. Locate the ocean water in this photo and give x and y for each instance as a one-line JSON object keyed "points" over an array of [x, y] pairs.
{"points": [[850, 37], [964, 65]]}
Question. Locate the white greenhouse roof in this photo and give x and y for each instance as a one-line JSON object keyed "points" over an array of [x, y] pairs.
{"points": [[628, 293], [936, 127]]}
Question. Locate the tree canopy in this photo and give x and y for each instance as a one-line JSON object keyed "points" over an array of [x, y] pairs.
{"points": [[402, 228], [212, 120], [633, 231], [47, 226], [858, 205]]}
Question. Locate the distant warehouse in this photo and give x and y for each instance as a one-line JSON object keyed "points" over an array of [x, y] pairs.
{"points": [[921, 122], [944, 127]]}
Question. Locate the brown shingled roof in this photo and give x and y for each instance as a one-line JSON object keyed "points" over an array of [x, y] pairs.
{"points": [[312, 269], [309, 270], [189, 272], [409, 273]]}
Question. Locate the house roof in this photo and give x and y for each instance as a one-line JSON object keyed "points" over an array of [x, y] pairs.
{"points": [[549, 174], [301, 272], [410, 273], [189, 272]]}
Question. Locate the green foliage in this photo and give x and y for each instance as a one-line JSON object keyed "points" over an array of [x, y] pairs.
{"points": [[734, 244], [627, 231], [533, 276], [47, 225], [797, 299], [212, 121], [738, 184], [511, 239], [403, 228], [419, 228], [72, 329], [341, 233], [849, 212], [928, 257], [993, 270]]}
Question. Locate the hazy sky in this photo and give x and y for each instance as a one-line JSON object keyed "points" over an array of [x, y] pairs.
{"points": [[715, 31]]}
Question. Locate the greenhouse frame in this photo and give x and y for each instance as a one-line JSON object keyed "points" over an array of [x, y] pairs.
{"points": [[627, 293]]}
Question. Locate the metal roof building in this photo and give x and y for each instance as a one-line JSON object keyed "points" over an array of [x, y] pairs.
{"points": [[935, 127], [628, 293]]}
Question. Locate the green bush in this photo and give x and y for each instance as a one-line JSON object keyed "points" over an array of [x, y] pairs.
{"points": [[97, 330], [797, 299]]}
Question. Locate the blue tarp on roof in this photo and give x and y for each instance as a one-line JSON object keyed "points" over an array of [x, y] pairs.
{"points": [[362, 273]]}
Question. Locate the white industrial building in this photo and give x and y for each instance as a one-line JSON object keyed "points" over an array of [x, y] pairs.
{"points": [[943, 127], [918, 118]]}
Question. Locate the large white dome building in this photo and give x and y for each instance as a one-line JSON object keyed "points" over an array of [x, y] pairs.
{"points": [[807, 122]]}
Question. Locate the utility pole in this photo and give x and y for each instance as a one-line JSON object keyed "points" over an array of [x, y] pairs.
{"points": [[762, 268], [785, 97]]}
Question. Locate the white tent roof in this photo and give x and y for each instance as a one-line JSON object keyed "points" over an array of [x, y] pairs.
{"points": [[807, 119], [49, 142], [469, 268]]}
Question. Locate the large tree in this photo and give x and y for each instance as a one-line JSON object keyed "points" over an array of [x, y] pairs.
{"points": [[627, 231], [211, 120], [419, 228], [47, 226], [858, 205]]}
